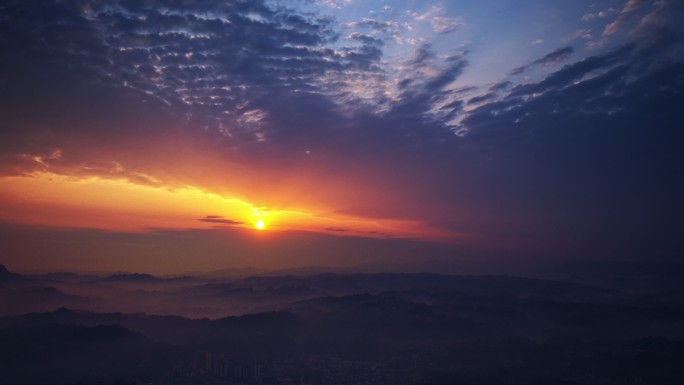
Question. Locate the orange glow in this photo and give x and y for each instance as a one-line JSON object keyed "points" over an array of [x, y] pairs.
{"points": [[45, 198]]}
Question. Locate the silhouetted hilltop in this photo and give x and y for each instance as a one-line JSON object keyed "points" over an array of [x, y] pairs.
{"points": [[197, 298], [146, 279], [622, 268], [503, 286], [64, 276], [61, 316], [20, 297], [46, 294], [135, 277], [7, 276], [58, 353]]}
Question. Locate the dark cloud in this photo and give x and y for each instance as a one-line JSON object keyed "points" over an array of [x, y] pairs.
{"points": [[481, 98], [416, 106], [255, 75], [204, 62], [500, 86], [553, 58], [359, 233], [518, 70], [423, 55], [556, 56], [220, 219], [366, 39], [456, 65], [574, 72], [336, 229], [595, 143]]}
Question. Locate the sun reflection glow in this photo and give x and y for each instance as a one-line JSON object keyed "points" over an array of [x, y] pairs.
{"points": [[45, 198]]}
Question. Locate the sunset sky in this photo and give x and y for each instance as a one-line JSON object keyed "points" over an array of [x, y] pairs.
{"points": [[155, 135]]}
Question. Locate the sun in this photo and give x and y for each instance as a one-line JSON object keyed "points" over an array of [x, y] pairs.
{"points": [[259, 224]]}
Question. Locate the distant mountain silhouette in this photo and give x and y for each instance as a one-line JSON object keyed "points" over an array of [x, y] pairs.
{"points": [[144, 278], [125, 277], [19, 294], [62, 316], [48, 293], [474, 285], [7, 276], [230, 273], [382, 328], [64, 276]]}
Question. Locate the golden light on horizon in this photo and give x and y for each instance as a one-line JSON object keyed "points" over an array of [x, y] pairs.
{"points": [[118, 204]]}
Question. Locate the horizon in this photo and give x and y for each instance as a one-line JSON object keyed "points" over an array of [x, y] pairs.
{"points": [[570, 271]]}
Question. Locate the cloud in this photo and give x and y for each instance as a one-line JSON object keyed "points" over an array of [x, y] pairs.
{"points": [[220, 219], [666, 15], [336, 4], [556, 56], [630, 7], [456, 65], [500, 86], [633, 5], [559, 137], [481, 98], [573, 73], [337, 229], [202, 64], [444, 25], [553, 58], [436, 16], [366, 39], [424, 55], [601, 14], [632, 10], [378, 25], [215, 67]]}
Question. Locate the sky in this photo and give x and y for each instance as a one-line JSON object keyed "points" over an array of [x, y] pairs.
{"points": [[155, 136]]}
